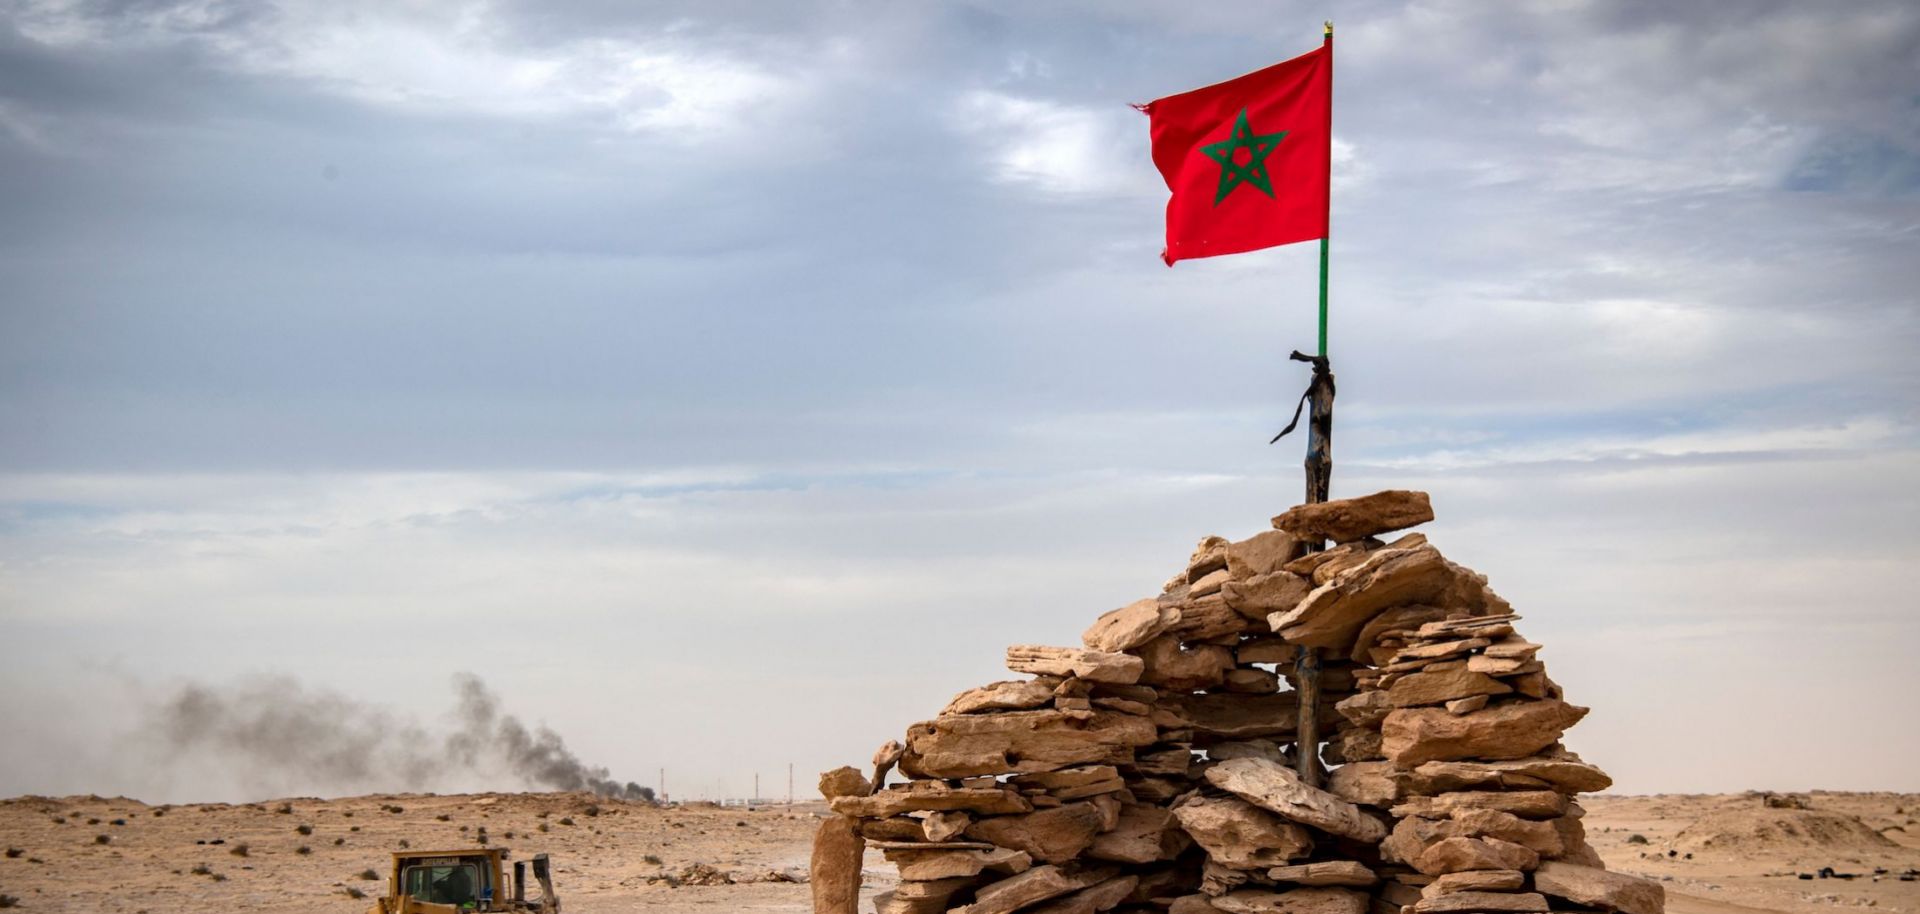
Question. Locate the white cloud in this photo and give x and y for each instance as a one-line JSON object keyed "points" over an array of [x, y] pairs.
{"points": [[435, 59], [1855, 435], [1056, 147]]}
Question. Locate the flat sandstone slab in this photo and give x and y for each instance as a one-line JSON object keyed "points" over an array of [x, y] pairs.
{"points": [[1093, 666], [1413, 736], [1276, 787], [1238, 834], [1022, 742], [1332, 872], [1481, 901], [1599, 888], [919, 796], [1297, 901]]}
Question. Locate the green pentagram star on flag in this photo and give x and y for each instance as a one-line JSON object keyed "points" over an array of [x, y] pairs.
{"points": [[1253, 171]]}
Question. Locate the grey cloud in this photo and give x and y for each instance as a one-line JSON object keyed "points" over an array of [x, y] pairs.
{"points": [[1589, 253]]}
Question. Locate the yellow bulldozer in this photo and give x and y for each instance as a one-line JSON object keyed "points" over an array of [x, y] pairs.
{"points": [[455, 882]]}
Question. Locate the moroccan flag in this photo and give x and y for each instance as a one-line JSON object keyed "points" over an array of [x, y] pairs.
{"points": [[1247, 159]]}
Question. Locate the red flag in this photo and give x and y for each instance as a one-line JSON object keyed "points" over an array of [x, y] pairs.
{"points": [[1247, 159]]}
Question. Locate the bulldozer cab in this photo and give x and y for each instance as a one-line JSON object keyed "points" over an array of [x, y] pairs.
{"points": [[459, 881]]}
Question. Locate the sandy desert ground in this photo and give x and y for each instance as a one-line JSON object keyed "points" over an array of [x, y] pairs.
{"points": [[609, 856]]}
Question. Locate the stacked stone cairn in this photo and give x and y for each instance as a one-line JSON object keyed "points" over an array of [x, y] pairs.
{"points": [[1152, 769]]}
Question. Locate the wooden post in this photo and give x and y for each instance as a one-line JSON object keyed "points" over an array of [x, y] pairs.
{"points": [[1306, 746], [1306, 664]]}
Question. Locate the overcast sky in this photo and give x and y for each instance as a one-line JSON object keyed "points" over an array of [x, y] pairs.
{"points": [[728, 383]]}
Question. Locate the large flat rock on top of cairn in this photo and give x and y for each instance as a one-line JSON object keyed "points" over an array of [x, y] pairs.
{"points": [[1348, 519], [1273, 786], [1413, 736], [1599, 888]]}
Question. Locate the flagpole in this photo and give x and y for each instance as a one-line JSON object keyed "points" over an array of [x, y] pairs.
{"points": [[1319, 467], [1327, 215]]}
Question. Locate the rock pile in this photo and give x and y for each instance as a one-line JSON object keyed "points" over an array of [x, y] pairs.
{"points": [[1153, 768]]}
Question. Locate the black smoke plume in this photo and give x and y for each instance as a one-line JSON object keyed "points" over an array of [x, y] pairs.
{"points": [[277, 732]]}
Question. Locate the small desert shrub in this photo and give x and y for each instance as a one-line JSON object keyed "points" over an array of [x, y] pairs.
{"points": [[304, 829], [355, 893], [8, 901], [566, 820], [13, 852], [285, 809], [303, 850], [355, 828], [59, 820], [102, 839], [369, 875], [1636, 839], [593, 809], [339, 841], [158, 813], [404, 844], [93, 821], [347, 815], [544, 828], [239, 850], [443, 817], [219, 877], [653, 859], [118, 822]]}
